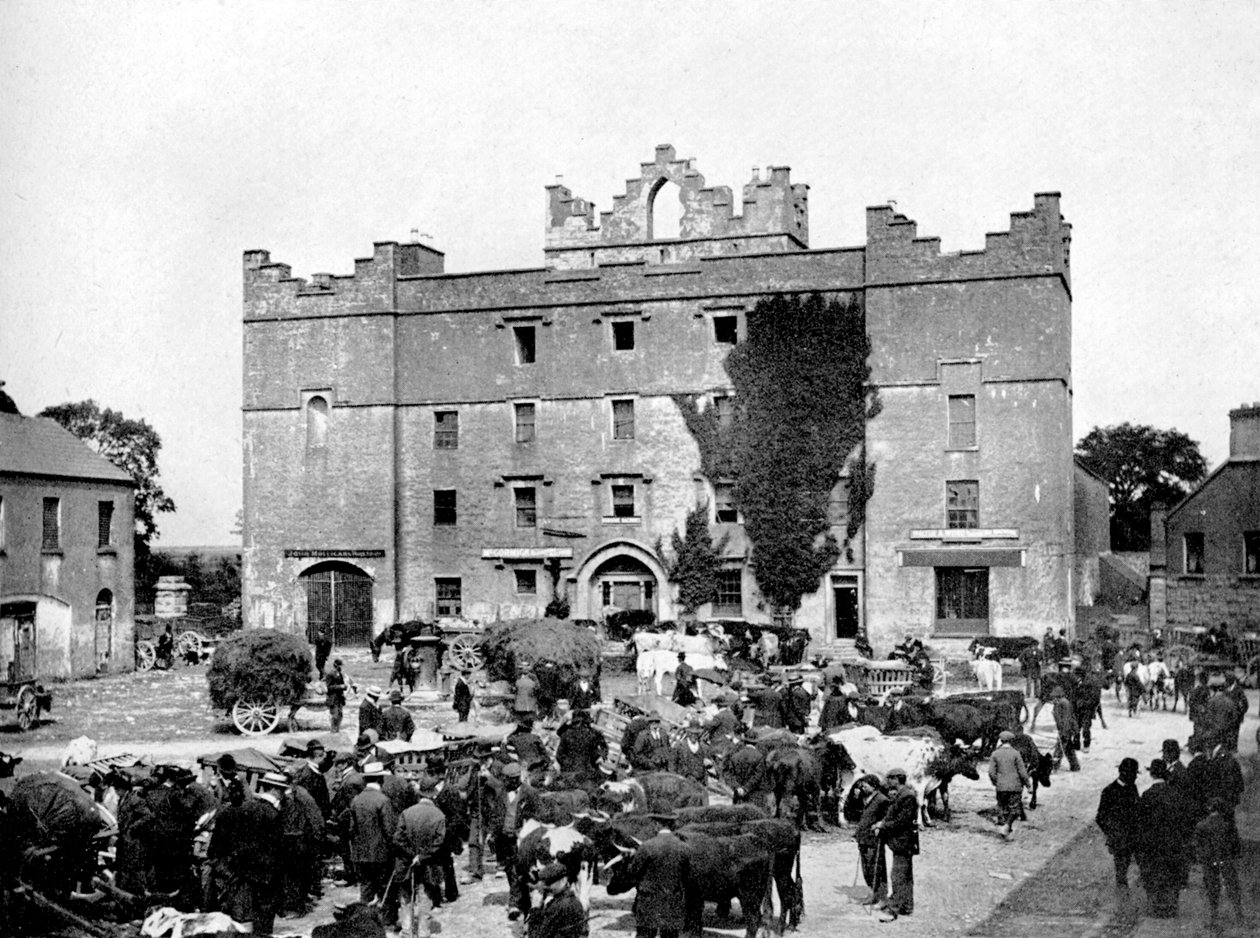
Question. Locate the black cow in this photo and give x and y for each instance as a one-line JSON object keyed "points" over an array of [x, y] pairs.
{"points": [[719, 813], [654, 793], [357, 920], [722, 869], [8, 764], [1005, 647], [953, 761], [800, 776], [559, 807], [953, 721], [1039, 764], [781, 842]]}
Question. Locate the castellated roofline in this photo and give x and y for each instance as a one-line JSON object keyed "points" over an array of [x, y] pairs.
{"points": [[770, 205], [1037, 241]]}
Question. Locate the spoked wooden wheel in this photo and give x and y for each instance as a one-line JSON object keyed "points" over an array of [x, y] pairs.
{"points": [[27, 708], [255, 718], [146, 656], [188, 643], [465, 653]]}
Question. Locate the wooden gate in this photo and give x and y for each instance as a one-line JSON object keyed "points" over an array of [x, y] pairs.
{"points": [[339, 597]]}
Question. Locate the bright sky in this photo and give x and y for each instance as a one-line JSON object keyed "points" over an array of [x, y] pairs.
{"points": [[146, 145]]}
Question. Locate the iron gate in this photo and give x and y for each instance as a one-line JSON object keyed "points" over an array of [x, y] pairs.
{"points": [[339, 598]]}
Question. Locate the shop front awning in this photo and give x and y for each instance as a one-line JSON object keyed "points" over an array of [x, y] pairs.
{"points": [[962, 557]]}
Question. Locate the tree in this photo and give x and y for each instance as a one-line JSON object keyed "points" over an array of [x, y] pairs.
{"points": [[132, 446], [802, 399], [1142, 466], [695, 562]]}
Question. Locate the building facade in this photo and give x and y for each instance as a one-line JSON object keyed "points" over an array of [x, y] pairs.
{"points": [[1205, 551], [421, 444], [67, 522]]}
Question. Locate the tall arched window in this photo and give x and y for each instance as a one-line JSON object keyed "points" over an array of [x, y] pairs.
{"points": [[665, 212], [316, 422]]}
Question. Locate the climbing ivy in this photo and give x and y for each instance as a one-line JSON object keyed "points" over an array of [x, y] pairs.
{"points": [[802, 398], [696, 559]]}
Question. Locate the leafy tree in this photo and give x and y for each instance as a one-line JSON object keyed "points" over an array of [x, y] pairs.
{"points": [[802, 399], [131, 445], [1142, 466], [695, 562]]}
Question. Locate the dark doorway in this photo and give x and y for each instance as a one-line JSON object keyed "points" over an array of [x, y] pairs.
{"points": [[844, 591], [339, 596]]}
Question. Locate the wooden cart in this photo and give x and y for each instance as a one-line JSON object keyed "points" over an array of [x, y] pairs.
{"points": [[19, 691]]}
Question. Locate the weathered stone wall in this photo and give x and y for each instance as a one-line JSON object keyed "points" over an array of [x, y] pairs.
{"points": [[1213, 599], [1222, 509], [74, 575], [1092, 532]]}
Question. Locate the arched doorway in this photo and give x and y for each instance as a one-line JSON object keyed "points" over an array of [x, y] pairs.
{"points": [[622, 575], [104, 628], [339, 597]]}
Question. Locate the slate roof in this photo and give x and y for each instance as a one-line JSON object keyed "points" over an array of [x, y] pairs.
{"points": [[39, 446]]}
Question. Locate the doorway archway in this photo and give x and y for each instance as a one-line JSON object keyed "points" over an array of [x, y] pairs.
{"points": [[338, 597], [622, 575]]}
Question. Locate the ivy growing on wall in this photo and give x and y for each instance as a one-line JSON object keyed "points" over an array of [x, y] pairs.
{"points": [[695, 561], [802, 399]]}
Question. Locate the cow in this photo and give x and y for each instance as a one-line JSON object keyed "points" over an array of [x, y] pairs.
{"points": [[719, 813], [559, 807], [356, 920], [1004, 647], [988, 672], [399, 635], [1039, 764], [652, 793], [799, 777], [711, 642], [652, 666], [870, 752], [969, 723], [538, 844], [722, 869], [782, 842]]}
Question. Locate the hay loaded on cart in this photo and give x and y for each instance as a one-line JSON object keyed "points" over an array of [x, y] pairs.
{"points": [[261, 676], [556, 652]]}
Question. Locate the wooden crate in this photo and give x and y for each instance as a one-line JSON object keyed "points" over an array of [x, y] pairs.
{"points": [[885, 677]]}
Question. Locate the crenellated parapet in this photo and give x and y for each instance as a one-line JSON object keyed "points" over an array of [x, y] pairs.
{"points": [[272, 291], [1038, 242], [773, 216]]}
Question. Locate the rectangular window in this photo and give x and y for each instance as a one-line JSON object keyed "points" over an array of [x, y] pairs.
{"points": [[623, 420], [526, 582], [450, 601], [445, 507], [52, 523], [1251, 549], [962, 421], [724, 509], [446, 429], [838, 503], [104, 524], [962, 596], [1194, 553], [524, 344], [726, 330], [962, 504], [623, 501], [623, 335], [524, 414], [1, 522], [526, 507], [730, 593], [724, 408]]}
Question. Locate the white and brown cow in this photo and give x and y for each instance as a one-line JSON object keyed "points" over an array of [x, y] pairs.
{"points": [[929, 763]]}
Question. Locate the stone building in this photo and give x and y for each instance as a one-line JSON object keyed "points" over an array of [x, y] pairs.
{"points": [[1205, 551], [66, 553], [421, 443]]}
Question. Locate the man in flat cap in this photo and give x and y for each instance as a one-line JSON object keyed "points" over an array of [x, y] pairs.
{"points": [[900, 831], [1010, 777], [561, 914]]}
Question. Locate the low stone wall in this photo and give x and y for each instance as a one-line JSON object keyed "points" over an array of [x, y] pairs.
{"points": [[1211, 600]]}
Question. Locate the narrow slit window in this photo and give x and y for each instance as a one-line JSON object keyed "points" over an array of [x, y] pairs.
{"points": [[525, 348], [316, 422], [52, 524], [104, 524]]}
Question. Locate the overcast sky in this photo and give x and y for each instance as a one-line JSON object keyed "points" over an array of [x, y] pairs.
{"points": [[144, 146]]}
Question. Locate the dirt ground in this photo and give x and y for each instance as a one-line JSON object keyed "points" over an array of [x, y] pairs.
{"points": [[1053, 878]]}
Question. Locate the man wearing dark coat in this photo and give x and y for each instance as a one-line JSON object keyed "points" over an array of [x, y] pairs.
{"points": [[310, 775], [527, 745], [684, 682], [1224, 777], [348, 785], [322, 640], [661, 869], [246, 849], [835, 708], [397, 722], [399, 792], [584, 694], [1086, 704], [169, 836], [900, 831], [1065, 725], [651, 749], [688, 757], [336, 683], [561, 914], [302, 833], [370, 823], [745, 773], [581, 749], [1217, 846], [135, 817], [453, 810], [370, 717], [418, 839], [1161, 840], [796, 703], [1234, 691], [462, 696], [1119, 817], [870, 850]]}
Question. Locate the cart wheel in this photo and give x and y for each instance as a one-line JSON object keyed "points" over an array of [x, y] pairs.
{"points": [[188, 643], [27, 708], [464, 653], [255, 718], [146, 656]]}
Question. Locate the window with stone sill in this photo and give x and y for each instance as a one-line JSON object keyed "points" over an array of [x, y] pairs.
{"points": [[623, 335], [445, 507], [730, 593], [623, 501], [449, 593], [524, 416], [724, 507], [104, 524], [962, 421]]}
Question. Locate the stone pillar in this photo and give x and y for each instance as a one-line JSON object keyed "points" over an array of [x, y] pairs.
{"points": [[171, 601]]}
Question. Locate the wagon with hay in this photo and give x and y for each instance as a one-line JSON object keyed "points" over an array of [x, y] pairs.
{"points": [[556, 651]]}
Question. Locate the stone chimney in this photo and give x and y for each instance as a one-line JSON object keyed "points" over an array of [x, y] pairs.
{"points": [[1244, 431]]}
